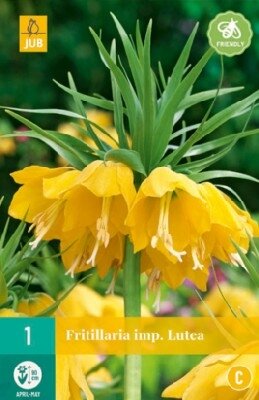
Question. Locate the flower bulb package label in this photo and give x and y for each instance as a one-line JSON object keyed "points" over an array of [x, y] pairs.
{"points": [[151, 335], [27, 358]]}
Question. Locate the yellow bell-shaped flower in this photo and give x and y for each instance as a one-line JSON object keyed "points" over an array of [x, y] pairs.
{"points": [[212, 379], [94, 216]]}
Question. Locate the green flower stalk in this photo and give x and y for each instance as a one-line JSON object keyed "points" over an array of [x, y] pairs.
{"points": [[143, 204]]}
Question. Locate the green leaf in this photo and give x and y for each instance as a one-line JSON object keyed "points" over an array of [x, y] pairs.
{"points": [[164, 121], [199, 165], [127, 91], [183, 131], [197, 98], [216, 143], [74, 150], [55, 111], [78, 103], [249, 265], [118, 111], [9, 249], [161, 75], [133, 60], [205, 176], [127, 157], [81, 109], [149, 99], [139, 43], [179, 69], [95, 101], [221, 117], [209, 126]]}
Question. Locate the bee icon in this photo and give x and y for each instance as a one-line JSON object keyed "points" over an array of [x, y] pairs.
{"points": [[229, 29], [33, 27]]}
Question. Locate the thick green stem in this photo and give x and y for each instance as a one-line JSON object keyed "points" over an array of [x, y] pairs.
{"points": [[132, 308]]}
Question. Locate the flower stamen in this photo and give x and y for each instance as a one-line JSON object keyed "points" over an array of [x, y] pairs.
{"points": [[43, 222], [236, 260], [195, 257], [74, 266], [111, 287], [103, 236], [163, 228]]}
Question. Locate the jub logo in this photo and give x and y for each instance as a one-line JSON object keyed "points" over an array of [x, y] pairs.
{"points": [[33, 33]]}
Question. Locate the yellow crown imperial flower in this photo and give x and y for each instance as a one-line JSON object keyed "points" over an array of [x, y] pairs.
{"points": [[229, 226], [94, 214], [85, 210], [36, 204], [212, 377], [168, 215]]}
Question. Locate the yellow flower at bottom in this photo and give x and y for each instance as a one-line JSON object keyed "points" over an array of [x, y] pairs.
{"points": [[209, 380], [70, 370]]}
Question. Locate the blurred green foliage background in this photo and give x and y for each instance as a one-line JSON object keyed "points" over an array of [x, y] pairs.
{"points": [[26, 82]]}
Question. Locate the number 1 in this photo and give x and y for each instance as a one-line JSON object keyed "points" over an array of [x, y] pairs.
{"points": [[28, 336]]}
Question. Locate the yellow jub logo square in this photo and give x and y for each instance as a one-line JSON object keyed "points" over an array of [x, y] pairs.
{"points": [[33, 33]]}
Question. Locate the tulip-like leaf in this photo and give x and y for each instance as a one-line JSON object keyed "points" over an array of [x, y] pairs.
{"points": [[55, 111], [74, 150], [9, 248], [149, 103], [165, 116], [127, 157], [210, 126], [95, 101], [179, 69], [133, 60], [206, 176], [197, 98], [248, 265], [127, 91], [80, 107], [199, 165], [118, 111], [221, 142]]}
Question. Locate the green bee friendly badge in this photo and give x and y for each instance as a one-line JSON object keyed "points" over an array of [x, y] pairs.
{"points": [[230, 33]]}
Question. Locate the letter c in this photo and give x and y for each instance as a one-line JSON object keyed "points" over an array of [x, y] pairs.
{"points": [[238, 377]]}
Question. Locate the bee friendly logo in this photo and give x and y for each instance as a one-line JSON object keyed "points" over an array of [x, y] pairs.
{"points": [[230, 33], [33, 33]]}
